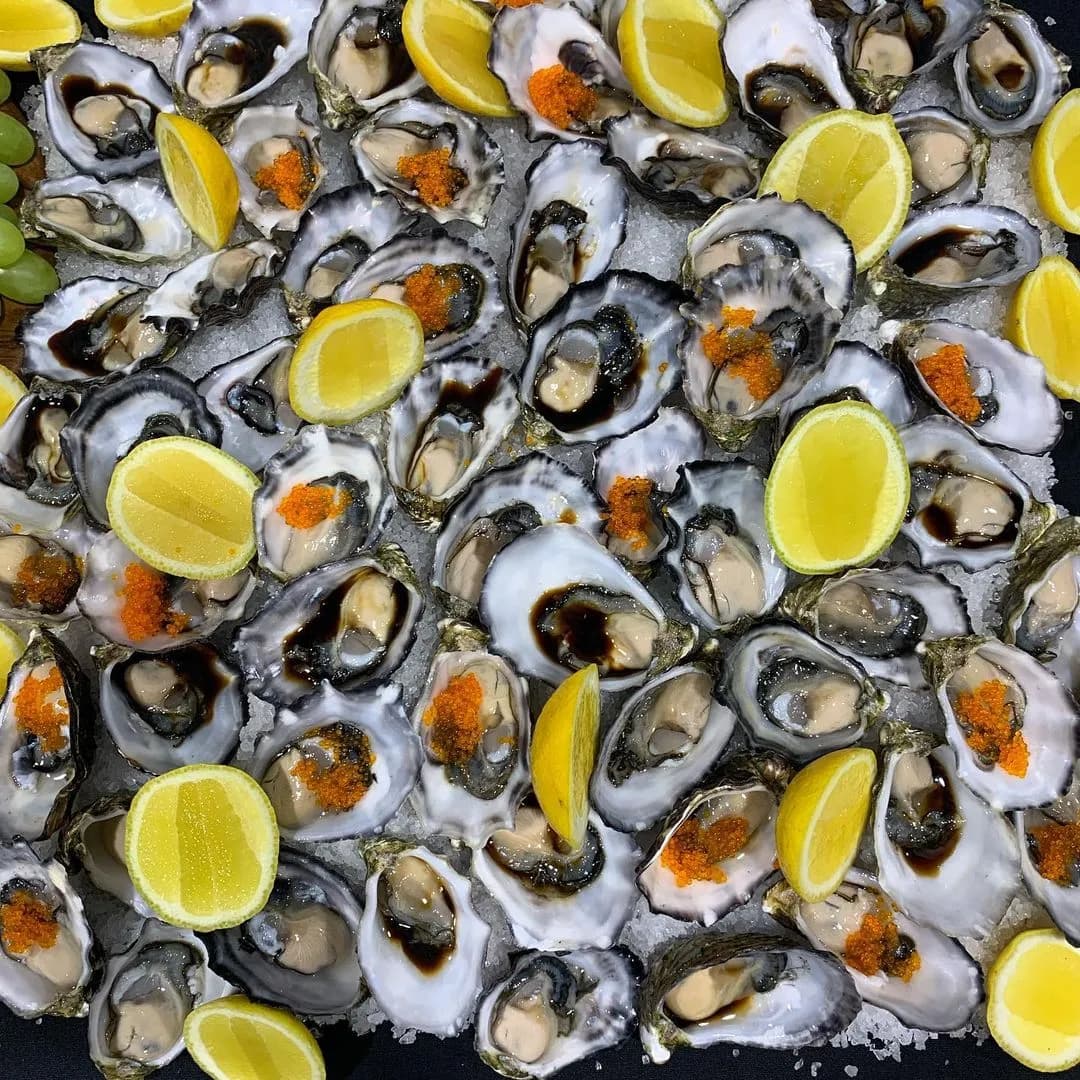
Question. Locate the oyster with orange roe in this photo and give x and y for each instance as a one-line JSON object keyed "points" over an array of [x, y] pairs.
{"points": [[921, 976], [1012, 724], [39, 577], [338, 765]]}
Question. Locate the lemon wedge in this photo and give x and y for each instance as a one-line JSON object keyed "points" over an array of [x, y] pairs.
{"points": [[149, 18], [12, 388], [1055, 163], [11, 648], [855, 169], [1042, 321], [26, 25]]}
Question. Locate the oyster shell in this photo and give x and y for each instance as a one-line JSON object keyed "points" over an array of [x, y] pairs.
{"points": [[422, 942], [948, 157], [1047, 862], [38, 577], [338, 765], [93, 842], [796, 694]]}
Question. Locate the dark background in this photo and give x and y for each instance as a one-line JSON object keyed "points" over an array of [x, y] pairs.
{"points": [[51, 1049]]}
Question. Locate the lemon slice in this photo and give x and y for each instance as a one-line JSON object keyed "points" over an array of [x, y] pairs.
{"points": [[1042, 321], [11, 648], [838, 489], [200, 177], [150, 18], [235, 1039], [12, 388], [1055, 163], [1033, 1001], [354, 359], [201, 845], [184, 507], [563, 753], [448, 42], [821, 819], [670, 51], [26, 25], [855, 169]]}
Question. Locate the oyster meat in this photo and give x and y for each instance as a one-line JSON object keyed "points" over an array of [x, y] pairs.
{"points": [[948, 156]]}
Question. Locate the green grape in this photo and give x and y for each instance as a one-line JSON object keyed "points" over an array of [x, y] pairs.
{"points": [[9, 183], [12, 244], [16, 141], [5, 87], [28, 280], [7, 214]]}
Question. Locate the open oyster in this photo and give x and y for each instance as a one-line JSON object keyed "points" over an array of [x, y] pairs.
{"points": [[171, 709], [335, 235], [920, 975], [966, 506], [474, 722], [358, 59], [499, 507], [555, 601], [422, 942], [604, 358], [348, 623], [880, 616], [943, 855], [686, 169], [749, 989], [633, 473], [785, 64], [454, 288], [93, 842], [1012, 724], [755, 335], [1009, 76], [100, 105], [45, 739], [558, 70], [667, 737], [553, 1010], [433, 158], [45, 944], [137, 1014], [796, 694], [322, 499], [1002, 397], [336, 765], [301, 950], [39, 577], [948, 157], [726, 569], [444, 428], [718, 844], [554, 897]]}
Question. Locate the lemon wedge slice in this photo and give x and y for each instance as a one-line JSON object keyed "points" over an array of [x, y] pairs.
{"points": [[12, 388], [1055, 163], [26, 25], [1042, 321], [149, 18]]}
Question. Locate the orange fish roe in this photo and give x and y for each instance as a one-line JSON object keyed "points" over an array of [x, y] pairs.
{"points": [[26, 922], [878, 947], [308, 505], [41, 708], [46, 582], [454, 719], [694, 851], [987, 719], [288, 178], [428, 291], [745, 353], [628, 514], [560, 96], [434, 176], [568, 516], [1058, 847], [339, 786], [145, 609], [946, 373]]}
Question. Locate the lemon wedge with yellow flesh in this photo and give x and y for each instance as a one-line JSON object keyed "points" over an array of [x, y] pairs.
{"points": [[200, 178], [448, 42], [148, 18], [12, 389], [1043, 321], [354, 359], [11, 648], [670, 51], [563, 753], [838, 489], [26, 25], [1033, 1001], [184, 507], [855, 169], [821, 818], [1055, 163], [236, 1039], [201, 845]]}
